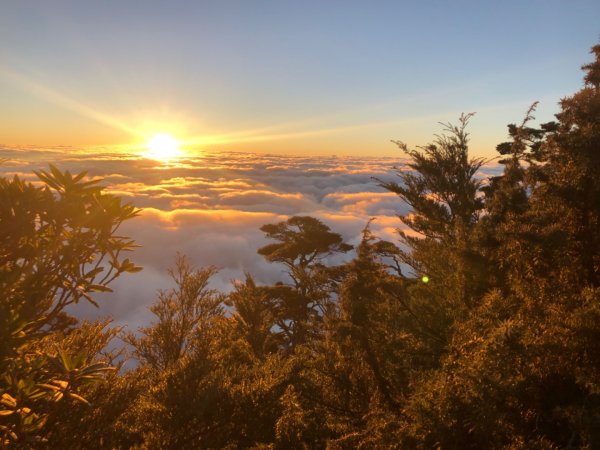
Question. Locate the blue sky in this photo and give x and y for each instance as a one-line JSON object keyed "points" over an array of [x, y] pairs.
{"points": [[301, 77]]}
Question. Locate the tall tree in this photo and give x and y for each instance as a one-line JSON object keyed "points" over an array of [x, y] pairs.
{"points": [[439, 254], [522, 370], [302, 245], [360, 374], [182, 312]]}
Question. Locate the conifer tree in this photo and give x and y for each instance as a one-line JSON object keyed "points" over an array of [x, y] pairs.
{"points": [[302, 245], [181, 312], [254, 316], [522, 370], [362, 366], [443, 262]]}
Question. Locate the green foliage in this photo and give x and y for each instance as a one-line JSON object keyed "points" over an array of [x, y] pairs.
{"points": [[58, 244], [181, 313], [442, 188], [254, 316], [225, 376], [443, 193], [519, 370]]}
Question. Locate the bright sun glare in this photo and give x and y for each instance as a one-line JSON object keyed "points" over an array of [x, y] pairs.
{"points": [[162, 147]]}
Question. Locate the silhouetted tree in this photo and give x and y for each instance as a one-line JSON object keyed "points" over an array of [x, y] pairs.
{"points": [[58, 245], [303, 244], [181, 313]]}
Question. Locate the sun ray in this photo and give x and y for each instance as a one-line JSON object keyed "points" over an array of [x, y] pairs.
{"points": [[65, 101]]}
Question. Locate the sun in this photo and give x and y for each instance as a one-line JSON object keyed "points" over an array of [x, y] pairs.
{"points": [[162, 147]]}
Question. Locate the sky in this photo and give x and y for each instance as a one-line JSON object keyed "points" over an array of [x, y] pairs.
{"points": [[283, 77]]}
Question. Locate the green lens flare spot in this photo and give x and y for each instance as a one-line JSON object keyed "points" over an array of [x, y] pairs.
{"points": [[425, 279]]}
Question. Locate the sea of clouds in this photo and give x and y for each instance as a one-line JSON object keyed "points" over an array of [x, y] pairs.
{"points": [[210, 208]]}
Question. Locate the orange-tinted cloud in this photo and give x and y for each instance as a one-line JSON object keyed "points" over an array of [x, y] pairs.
{"points": [[211, 208]]}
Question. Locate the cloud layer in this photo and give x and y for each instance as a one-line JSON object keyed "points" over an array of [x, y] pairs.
{"points": [[210, 208]]}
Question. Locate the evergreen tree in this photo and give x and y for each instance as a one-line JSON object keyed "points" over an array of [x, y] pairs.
{"points": [[446, 269], [522, 369], [254, 316], [303, 244], [360, 371], [181, 313]]}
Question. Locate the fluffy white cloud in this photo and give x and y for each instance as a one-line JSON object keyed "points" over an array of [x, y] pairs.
{"points": [[211, 207]]}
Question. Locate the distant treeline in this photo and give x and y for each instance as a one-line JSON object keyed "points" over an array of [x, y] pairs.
{"points": [[480, 330]]}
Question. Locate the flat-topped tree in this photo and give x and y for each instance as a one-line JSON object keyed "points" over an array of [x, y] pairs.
{"points": [[303, 242]]}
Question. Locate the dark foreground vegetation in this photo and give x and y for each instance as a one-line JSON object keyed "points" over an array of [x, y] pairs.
{"points": [[482, 330]]}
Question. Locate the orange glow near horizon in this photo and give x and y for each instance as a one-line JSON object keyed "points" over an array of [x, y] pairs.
{"points": [[133, 131]]}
